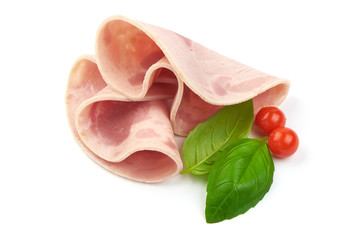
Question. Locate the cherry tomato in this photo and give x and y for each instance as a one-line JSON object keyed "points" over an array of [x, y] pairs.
{"points": [[269, 118], [283, 142]]}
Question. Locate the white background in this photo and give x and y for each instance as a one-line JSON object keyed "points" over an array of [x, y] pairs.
{"points": [[49, 188]]}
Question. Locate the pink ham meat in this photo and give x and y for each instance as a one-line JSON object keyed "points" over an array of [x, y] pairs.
{"points": [[144, 85], [133, 139]]}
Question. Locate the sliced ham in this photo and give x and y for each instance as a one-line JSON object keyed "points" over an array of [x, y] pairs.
{"points": [[133, 139], [144, 85]]}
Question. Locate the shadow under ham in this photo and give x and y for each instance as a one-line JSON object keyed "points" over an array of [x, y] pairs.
{"points": [[144, 166]]}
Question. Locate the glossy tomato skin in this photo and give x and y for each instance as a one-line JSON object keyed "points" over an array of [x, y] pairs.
{"points": [[269, 118], [283, 142]]}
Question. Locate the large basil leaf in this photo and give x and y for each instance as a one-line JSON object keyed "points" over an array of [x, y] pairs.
{"points": [[208, 138], [240, 177]]}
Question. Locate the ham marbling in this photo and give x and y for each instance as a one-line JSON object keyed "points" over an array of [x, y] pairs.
{"points": [[133, 139], [144, 85]]}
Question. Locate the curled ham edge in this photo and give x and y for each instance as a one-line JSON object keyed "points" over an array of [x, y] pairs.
{"points": [[193, 83]]}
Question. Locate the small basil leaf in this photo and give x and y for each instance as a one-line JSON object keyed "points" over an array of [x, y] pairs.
{"points": [[240, 177], [208, 138]]}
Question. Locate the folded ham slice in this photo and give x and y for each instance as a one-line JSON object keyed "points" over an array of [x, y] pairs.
{"points": [[144, 85], [133, 139]]}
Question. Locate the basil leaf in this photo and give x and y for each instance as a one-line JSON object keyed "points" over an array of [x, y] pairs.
{"points": [[239, 179], [204, 142]]}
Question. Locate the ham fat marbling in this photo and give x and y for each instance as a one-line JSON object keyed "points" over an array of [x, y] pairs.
{"points": [[146, 84]]}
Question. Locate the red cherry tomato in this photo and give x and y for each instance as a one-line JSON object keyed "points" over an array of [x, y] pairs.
{"points": [[269, 118], [283, 142]]}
